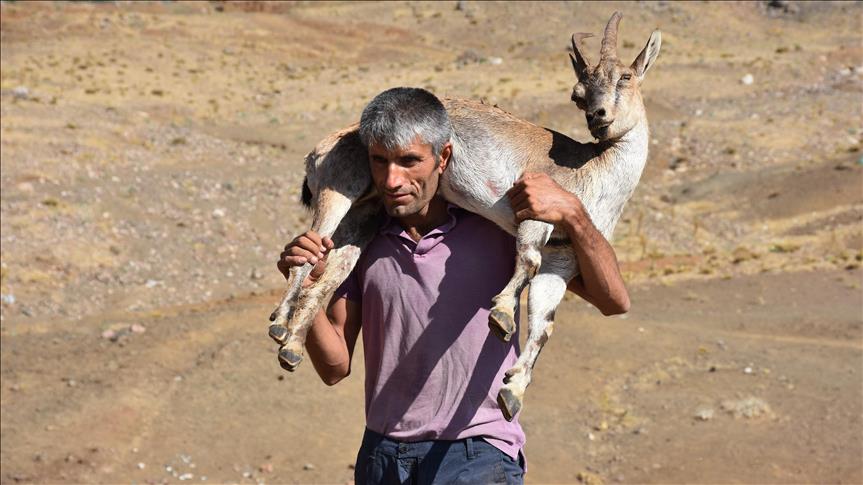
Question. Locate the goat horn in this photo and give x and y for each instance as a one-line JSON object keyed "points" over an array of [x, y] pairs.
{"points": [[577, 43], [609, 38]]}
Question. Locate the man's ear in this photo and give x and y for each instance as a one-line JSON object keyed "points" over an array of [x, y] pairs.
{"points": [[445, 154]]}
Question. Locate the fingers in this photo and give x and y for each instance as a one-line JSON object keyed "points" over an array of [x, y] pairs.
{"points": [[518, 200], [328, 244], [525, 214], [308, 247]]}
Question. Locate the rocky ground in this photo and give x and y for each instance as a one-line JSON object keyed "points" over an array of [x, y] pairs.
{"points": [[151, 167]]}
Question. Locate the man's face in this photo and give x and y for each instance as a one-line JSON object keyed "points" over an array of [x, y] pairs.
{"points": [[407, 178]]}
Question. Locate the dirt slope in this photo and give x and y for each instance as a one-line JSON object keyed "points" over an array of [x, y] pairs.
{"points": [[151, 167]]}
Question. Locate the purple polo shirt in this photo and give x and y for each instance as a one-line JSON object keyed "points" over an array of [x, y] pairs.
{"points": [[433, 369]]}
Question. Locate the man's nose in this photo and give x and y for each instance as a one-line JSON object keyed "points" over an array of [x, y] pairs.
{"points": [[395, 177]]}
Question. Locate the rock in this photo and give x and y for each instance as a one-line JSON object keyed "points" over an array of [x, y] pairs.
{"points": [[308, 466], [469, 56], [186, 476], [218, 213], [750, 407], [704, 414], [8, 299], [137, 328], [21, 92], [588, 478], [266, 468], [109, 335], [747, 80], [741, 254], [141, 465], [256, 274], [495, 61], [782, 7]]}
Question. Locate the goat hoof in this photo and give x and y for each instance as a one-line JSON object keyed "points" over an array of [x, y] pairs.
{"points": [[501, 324], [279, 333], [509, 403], [289, 360]]}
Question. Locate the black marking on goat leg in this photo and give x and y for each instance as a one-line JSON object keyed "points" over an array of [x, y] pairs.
{"points": [[307, 194]]}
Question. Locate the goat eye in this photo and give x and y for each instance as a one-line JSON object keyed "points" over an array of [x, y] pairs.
{"points": [[626, 77]]}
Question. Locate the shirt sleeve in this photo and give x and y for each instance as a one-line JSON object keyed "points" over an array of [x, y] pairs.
{"points": [[350, 288]]}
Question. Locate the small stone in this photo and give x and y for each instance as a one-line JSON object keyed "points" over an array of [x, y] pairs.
{"points": [[266, 468], [704, 414], [137, 328], [8, 299], [469, 56], [21, 92], [151, 283], [141, 465], [495, 61], [186, 476], [747, 370], [751, 407], [218, 213], [256, 274], [308, 466], [747, 80]]}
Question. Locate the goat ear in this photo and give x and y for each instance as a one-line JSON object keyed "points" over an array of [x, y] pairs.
{"points": [[580, 64], [647, 56], [575, 66]]}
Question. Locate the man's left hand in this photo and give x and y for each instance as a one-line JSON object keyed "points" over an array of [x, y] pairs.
{"points": [[537, 196]]}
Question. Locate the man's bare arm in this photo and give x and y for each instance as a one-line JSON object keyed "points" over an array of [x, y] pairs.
{"points": [[332, 339], [537, 196]]}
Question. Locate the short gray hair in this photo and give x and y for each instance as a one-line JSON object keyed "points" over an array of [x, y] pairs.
{"points": [[398, 115]]}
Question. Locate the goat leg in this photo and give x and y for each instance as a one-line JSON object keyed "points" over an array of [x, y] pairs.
{"points": [[353, 234], [331, 207], [532, 235], [559, 265]]}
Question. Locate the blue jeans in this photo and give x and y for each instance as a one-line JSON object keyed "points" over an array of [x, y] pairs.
{"points": [[471, 460]]}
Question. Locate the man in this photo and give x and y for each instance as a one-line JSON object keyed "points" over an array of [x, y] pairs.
{"points": [[421, 293]]}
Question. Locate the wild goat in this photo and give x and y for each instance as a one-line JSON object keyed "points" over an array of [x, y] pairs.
{"points": [[491, 150]]}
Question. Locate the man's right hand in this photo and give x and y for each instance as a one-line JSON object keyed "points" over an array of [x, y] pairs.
{"points": [[308, 247]]}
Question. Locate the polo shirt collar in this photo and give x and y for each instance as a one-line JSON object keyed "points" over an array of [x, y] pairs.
{"points": [[391, 226]]}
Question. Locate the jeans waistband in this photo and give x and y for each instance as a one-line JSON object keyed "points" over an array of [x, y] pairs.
{"points": [[384, 444]]}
